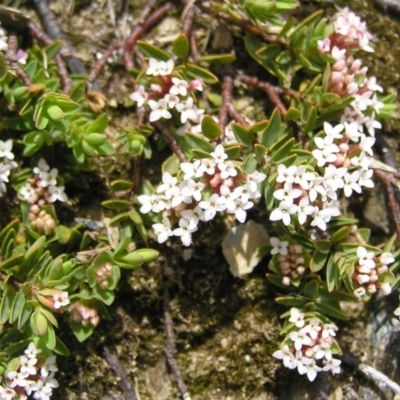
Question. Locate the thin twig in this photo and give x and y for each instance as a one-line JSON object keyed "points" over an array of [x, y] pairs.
{"points": [[272, 91], [235, 115], [138, 31], [387, 179], [227, 89], [99, 65], [171, 141], [188, 18], [170, 349], [123, 381], [371, 372], [11, 57]]}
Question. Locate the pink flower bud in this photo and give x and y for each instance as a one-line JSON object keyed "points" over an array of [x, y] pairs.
{"points": [[361, 279]]}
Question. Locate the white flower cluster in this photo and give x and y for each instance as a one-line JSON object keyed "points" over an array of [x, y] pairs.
{"points": [[309, 347], [209, 185], [32, 377], [344, 153], [6, 162], [290, 259], [42, 188], [367, 271], [3, 40], [171, 93]]}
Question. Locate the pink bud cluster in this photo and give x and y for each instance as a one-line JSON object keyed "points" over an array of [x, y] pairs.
{"points": [[290, 259], [308, 347], [169, 92], [84, 314], [42, 188], [205, 187], [103, 275], [368, 270], [33, 375]]}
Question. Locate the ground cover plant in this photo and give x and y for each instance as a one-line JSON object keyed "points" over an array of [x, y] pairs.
{"points": [[294, 166]]}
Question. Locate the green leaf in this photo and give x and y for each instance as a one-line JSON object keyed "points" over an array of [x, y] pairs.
{"points": [[323, 245], [60, 348], [171, 165], [121, 185], [242, 134], [330, 309], [218, 58], [197, 142], [332, 274], [17, 306], [3, 67], [106, 296], [260, 151], [55, 113], [12, 261], [116, 204], [272, 130], [311, 290], [95, 139], [152, 51], [250, 164], [293, 114], [81, 332], [318, 261], [233, 150], [49, 338], [39, 323], [98, 125], [282, 152], [340, 234], [195, 71], [6, 304], [291, 301], [210, 128], [180, 46]]}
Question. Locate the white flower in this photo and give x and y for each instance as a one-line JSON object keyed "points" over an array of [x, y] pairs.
{"points": [[159, 110], [283, 212], [304, 209], [296, 316], [211, 206], [4, 172], [5, 149], [286, 174], [179, 87], [333, 132], [7, 393], [365, 257], [186, 110], [386, 258], [41, 166], [160, 67], [139, 96], [163, 230], [300, 339], [351, 183], [227, 169], [60, 299], [279, 247], [332, 365], [240, 209], [57, 193], [287, 193], [26, 191], [193, 216], [308, 366], [48, 367], [48, 178], [32, 350], [27, 365], [219, 154], [289, 361], [185, 231], [190, 169]]}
